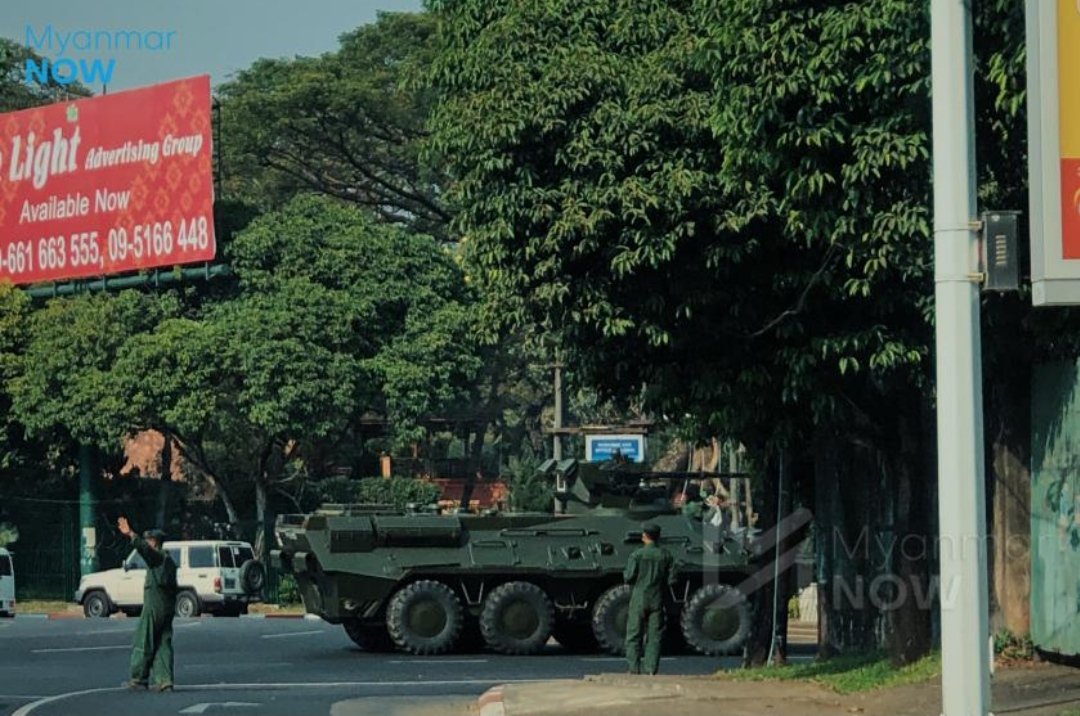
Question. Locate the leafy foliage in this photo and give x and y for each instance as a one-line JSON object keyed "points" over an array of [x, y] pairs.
{"points": [[330, 322], [9, 534], [530, 491], [16, 93], [395, 491], [343, 124]]}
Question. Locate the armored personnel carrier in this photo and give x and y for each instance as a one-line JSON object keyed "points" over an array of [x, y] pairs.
{"points": [[430, 584]]}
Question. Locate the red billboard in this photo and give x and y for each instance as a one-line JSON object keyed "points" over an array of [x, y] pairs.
{"points": [[106, 185]]}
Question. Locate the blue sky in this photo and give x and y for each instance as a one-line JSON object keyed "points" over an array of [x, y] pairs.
{"points": [[212, 36]]}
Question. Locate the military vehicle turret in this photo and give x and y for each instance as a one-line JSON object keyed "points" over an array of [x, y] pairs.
{"points": [[429, 583]]}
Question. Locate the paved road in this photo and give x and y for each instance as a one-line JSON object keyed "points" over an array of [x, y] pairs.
{"points": [[265, 667]]}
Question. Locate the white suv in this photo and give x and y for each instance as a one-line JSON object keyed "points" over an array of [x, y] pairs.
{"points": [[220, 577]]}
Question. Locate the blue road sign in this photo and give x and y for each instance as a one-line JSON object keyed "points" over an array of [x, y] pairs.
{"points": [[599, 448]]}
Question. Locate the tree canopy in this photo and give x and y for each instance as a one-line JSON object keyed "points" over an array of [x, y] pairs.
{"points": [[345, 124]]}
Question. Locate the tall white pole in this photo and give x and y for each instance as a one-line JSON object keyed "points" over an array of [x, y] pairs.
{"points": [[961, 487]]}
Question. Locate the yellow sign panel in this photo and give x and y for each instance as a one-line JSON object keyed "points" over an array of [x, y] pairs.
{"points": [[1068, 30]]}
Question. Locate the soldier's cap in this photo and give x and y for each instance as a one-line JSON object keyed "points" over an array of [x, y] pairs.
{"points": [[651, 529], [154, 534]]}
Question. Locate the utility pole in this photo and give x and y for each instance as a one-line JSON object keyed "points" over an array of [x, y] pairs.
{"points": [[965, 663], [556, 445]]}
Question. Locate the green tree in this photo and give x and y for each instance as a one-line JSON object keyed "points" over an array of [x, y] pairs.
{"points": [[335, 316], [343, 124], [16, 93], [723, 206]]}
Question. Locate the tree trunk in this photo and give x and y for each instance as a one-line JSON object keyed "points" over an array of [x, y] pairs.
{"points": [[1009, 490], [909, 634], [260, 518], [195, 458], [847, 497], [770, 602], [165, 480]]}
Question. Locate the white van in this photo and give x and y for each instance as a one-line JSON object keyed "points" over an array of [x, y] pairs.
{"points": [[219, 577], [7, 584]]}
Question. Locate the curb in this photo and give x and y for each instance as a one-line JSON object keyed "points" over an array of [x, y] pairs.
{"points": [[31, 616], [283, 616], [490, 702], [65, 615]]}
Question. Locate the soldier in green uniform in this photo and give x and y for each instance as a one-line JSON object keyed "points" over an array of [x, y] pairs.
{"points": [[650, 571], [152, 652], [694, 508]]}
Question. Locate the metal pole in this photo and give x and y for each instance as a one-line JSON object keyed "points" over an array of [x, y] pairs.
{"points": [[88, 561], [556, 446], [961, 485]]}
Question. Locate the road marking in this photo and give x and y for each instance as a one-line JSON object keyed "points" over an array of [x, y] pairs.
{"points": [[250, 665], [201, 708], [122, 630], [189, 624], [438, 661], [23, 697], [293, 633], [80, 648], [621, 658], [30, 708]]}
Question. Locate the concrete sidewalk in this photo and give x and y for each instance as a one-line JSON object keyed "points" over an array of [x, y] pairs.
{"points": [[1034, 690]]}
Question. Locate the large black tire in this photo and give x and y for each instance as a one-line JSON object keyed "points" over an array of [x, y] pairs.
{"points": [[96, 605], [575, 636], [517, 618], [609, 619], [187, 604], [369, 637], [716, 620], [425, 617], [252, 577]]}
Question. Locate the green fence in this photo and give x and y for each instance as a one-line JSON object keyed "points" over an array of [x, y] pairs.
{"points": [[46, 555], [1055, 508]]}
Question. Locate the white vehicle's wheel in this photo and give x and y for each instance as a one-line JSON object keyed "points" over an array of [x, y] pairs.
{"points": [[187, 605], [96, 605]]}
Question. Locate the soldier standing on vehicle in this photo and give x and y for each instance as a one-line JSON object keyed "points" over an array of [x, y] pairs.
{"points": [[650, 571], [694, 508], [152, 652]]}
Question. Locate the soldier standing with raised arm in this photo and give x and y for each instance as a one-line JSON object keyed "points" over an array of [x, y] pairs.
{"points": [[650, 571], [152, 653]]}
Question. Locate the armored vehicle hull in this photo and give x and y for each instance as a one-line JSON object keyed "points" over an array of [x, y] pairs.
{"points": [[430, 584]]}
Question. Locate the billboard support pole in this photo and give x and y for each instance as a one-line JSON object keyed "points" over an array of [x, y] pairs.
{"points": [[961, 483], [88, 561]]}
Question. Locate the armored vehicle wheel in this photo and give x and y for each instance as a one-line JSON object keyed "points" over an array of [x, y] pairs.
{"points": [[716, 620], [575, 636], [425, 617], [369, 637], [517, 618], [609, 619]]}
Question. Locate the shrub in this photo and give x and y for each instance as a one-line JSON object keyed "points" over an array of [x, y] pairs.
{"points": [[395, 491], [1011, 647], [288, 591]]}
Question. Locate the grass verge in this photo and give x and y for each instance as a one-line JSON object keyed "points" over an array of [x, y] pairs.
{"points": [[44, 606], [261, 608], [847, 674]]}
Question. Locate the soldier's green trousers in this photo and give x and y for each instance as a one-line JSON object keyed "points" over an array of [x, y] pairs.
{"points": [[644, 623], [152, 652]]}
